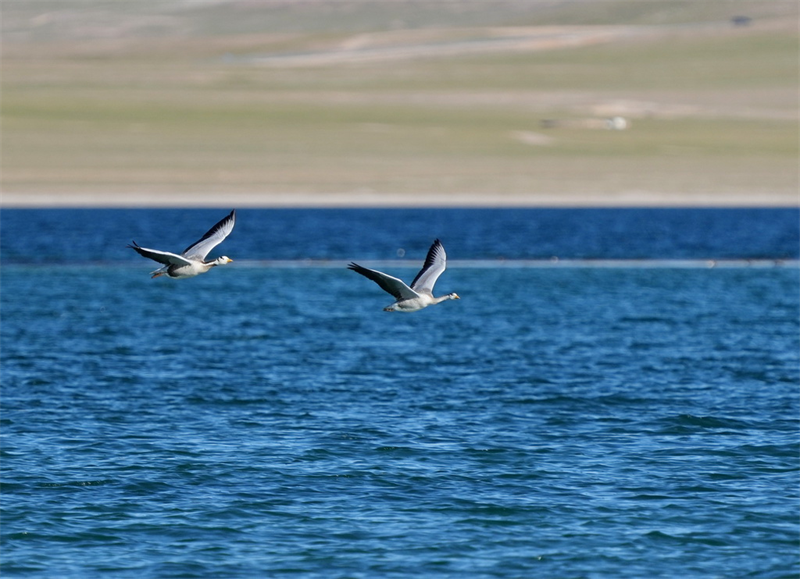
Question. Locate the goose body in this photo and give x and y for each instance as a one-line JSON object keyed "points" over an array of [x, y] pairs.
{"points": [[192, 261], [420, 293]]}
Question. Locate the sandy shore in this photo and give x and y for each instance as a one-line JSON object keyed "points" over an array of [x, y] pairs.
{"points": [[369, 199], [109, 107]]}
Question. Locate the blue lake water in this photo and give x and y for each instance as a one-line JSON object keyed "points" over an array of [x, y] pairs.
{"points": [[267, 419]]}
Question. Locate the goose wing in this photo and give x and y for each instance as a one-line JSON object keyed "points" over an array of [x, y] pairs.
{"points": [[213, 237], [389, 284], [164, 257], [434, 265]]}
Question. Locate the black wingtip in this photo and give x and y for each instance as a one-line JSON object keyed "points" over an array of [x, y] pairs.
{"points": [[437, 243], [435, 247], [230, 217]]}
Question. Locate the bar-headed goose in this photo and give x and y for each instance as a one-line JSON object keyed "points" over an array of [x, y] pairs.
{"points": [[420, 294], [192, 261]]}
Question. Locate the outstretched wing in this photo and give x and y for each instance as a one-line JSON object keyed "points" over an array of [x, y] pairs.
{"points": [[434, 265], [213, 237], [389, 284], [164, 257]]}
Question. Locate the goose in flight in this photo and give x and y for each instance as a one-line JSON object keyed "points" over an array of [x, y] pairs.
{"points": [[192, 261], [420, 294]]}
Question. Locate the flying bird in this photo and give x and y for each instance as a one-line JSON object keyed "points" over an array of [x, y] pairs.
{"points": [[192, 261], [420, 294]]}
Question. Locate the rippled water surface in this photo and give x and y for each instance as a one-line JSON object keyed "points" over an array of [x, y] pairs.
{"points": [[274, 422]]}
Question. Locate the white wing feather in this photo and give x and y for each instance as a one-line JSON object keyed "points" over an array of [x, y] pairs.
{"points": [[213, 237], [164, 257], [388, 283], [435, 264]]}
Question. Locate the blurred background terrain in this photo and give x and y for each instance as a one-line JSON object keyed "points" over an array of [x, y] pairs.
{"points": [[357, 102]]}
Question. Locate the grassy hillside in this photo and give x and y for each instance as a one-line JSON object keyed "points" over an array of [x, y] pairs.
{"points": [[412, 98]]}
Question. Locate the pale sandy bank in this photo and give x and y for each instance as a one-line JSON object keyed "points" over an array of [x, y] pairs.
{"points": [[371, 199]]}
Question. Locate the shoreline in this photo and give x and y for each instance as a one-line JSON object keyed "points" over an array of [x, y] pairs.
{"points": [[388, 200]]}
